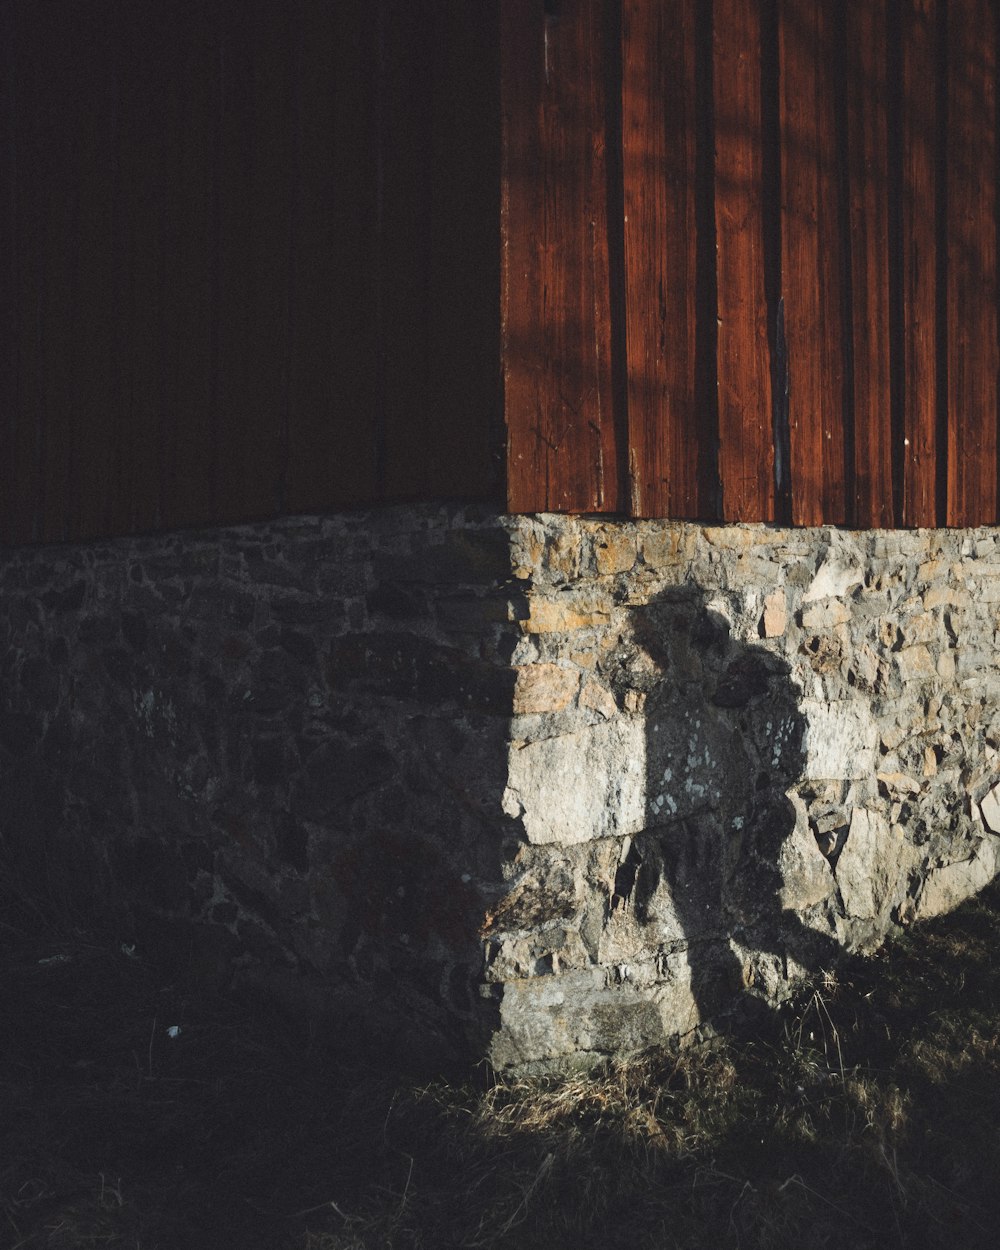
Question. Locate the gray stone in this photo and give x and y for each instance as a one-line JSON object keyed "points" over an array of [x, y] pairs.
{"points": [[564, 788]]}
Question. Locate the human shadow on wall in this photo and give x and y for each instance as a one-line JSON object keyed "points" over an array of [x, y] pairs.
{"points": [[724, 884]]}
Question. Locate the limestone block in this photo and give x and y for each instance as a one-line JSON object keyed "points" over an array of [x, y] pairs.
{"points": [[575, 787], [916, 663], [804, 871], [775, 619], [838, 574], [871, 865], [840, 739], [540, 688], [945, 596], [990, 808], [952, 884], [614, 552], [899, 783], [825, 615], [568, 613], [660, 548], [599, 699]]}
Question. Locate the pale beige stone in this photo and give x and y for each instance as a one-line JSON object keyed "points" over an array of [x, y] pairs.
{"points": [[599, 699], [902, 783], [775, 618], [563, 554], [614, 552], [990, 808], [915, 663], [930, 762], [661, 548], [946, 666], [945, 596], [540, 688], [550, 616], [825, 615]]}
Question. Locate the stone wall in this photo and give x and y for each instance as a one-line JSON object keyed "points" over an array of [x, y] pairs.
{"points": [[538, 788]]}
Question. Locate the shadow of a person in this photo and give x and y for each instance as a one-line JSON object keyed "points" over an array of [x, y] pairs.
{"points": [[726, 883]]}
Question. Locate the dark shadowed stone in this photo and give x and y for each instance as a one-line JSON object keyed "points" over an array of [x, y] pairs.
{"points": [[744, 679], [39, 684], [411, 667], [291, 611], [269, 761], [336, 775], [292, 844], [58, 651], [18, 732], [59, 740], [298, 645], [476, 557], [119, 665], [97, 629], [221, 603], [400, 886], [68, 600], [135, 631], [397, 602], [151, 872], [225, 913]]}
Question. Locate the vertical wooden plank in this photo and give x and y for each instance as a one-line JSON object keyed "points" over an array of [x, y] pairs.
{"points": [[659, 145], [919, 260], [97, 326], [464, 452], [12, 112], [58, 206], [332, 384], [556, 333], [190, 313], [811, 263], [146, 242], [971, 264], [868, 170], [407, 34], [252, 226], [746, 446]]}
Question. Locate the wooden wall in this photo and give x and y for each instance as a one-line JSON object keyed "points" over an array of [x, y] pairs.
{"points": [[720, 259], [750, 259], [249, 259]]}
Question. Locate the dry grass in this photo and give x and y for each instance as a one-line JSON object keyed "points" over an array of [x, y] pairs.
{"points": [[869, 1116]]}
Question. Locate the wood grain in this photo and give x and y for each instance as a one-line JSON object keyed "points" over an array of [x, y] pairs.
{"points": [[333, 411], [556, 315], [868, 192], [971, 264], [919, 259], [811, 263], [659, 153], [746, 448]]}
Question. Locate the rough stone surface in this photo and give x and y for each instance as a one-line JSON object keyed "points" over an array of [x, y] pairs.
{"points": [[541, 788]]}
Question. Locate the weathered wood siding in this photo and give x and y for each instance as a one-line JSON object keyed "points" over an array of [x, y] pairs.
{"points": [[720, 259], [250, 259], [805, 319]]}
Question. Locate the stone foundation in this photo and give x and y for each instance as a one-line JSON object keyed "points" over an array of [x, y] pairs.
{"points": [[541, 789]]}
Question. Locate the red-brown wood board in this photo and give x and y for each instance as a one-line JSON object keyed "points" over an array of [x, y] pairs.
{"points": [[660, 230], [562, 448], [868, 194], [918, 297], [746, 447], [970, 231], [811, 262]]}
